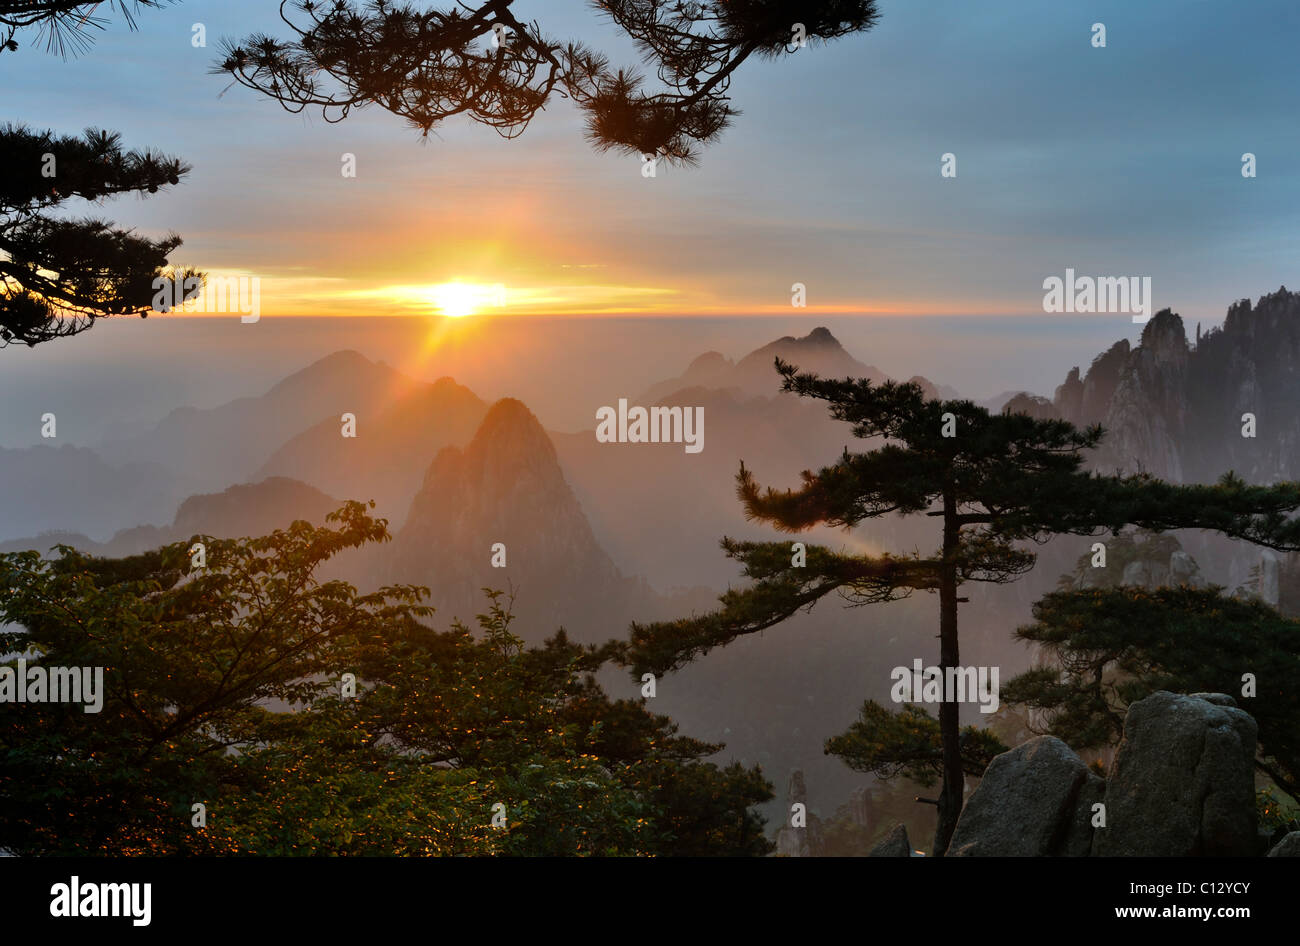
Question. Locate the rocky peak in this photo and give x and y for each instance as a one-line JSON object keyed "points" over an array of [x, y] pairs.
{"points": [[819, 339], [506, 486], [805, 840], [1276, 312], [1068, 397], [511, 434], [1165, 338], [1177, 411], [1025, 403]]}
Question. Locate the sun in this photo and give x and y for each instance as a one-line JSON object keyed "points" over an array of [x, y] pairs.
{"points": [[458, 299]]}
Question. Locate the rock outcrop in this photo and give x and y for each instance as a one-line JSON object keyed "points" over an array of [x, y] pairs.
{"points": [[1034, 801], [894, 844], [1182, 785], [1176, 410], [1183, 780], [1289, 846], [801, 836], [1140, 559]]}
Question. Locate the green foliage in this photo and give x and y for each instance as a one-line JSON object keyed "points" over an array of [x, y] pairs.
{"points": [[223, 688], [991, 481], [1009, 477], [908, 743], [58, 275], [1111, 647], [1141, 545]]}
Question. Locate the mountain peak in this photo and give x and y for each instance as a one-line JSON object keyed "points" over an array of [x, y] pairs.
{"points": [[509, 410], [347, 359], [347, 366], [1164, 334], [819, 352], [709, 361], [506, 487], [344, 356], [509, 421], [820, 338]]}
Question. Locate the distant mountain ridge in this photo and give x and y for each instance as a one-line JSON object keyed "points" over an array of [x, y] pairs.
{"points": [[247, 509], [213, 447], [293, 430], [75, 489], [1176, 409], [394, 445], [819, 352]]}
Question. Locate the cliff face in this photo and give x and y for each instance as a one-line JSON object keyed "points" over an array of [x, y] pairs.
{"points": [[1252, 365], [1175, 410], [1147, 410], [506, 487]]}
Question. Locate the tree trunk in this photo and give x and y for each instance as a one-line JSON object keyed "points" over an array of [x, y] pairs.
{"points": [[950, 798]]}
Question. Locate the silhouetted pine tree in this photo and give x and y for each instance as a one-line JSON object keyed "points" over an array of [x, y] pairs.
{"points": [[58, 275], [483, 62], [992, 480], [65, 23], [1111, 647]]}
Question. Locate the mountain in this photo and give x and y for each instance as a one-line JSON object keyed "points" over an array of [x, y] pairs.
{"points": [[710, 370], [660, 511], [248, 509], [766, 696], [1176, 409], [999, 401], [209, 448], [506, 487], [395, 443], [74, 488], [819, 351]]}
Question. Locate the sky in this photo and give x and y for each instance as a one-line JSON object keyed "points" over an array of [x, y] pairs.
{"points": [[1123, 160]]}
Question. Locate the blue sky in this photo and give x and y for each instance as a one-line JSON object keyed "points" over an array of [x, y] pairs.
{"points": [[1119, 161]]}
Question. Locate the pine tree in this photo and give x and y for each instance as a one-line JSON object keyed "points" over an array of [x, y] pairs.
{"points": [[65, 23], [483, 62], [1110, 647], [993, 481], [58, 275]]}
